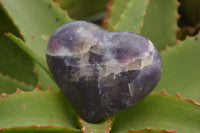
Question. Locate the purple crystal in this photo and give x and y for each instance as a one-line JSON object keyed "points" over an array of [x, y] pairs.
{"points": [[102, 73]]}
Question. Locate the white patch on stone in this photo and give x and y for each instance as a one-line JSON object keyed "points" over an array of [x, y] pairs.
{"points": [[131, 89]]}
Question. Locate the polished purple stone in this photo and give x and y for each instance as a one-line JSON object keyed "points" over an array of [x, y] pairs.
{"points": [[102, 73]]}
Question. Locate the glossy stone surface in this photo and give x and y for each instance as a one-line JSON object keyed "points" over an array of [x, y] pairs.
{"points": [[102, 73]]}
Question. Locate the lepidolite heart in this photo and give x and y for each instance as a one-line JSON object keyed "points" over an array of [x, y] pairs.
{"points": [[102, 73]]}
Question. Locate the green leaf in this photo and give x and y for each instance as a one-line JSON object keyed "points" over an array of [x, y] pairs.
{"points": [[9, 85], [33, 54], [38, 108], [162, 112], [102, 127], [37, 21], [45, 82], [84, 9], [133, 16], [160, 24], [13, 61], [39, 129], [150, 130], [114, 10], [181, 69]]}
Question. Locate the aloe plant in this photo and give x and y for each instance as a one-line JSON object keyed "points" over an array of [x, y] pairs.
{"points": [[31, 101]]}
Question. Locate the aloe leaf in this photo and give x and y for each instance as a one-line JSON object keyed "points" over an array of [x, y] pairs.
{"points": [[37, 108], [160, 111], [33, 54], [132, 17], [44, 80], [114, 10], [84, 9], [102, 127], [181, 69], [37, 21], [13, 61], [39, 129], [150, 130], [160, 23], [9, 85]]}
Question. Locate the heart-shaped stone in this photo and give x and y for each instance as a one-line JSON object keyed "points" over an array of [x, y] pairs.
{"points": [[102, 73]]}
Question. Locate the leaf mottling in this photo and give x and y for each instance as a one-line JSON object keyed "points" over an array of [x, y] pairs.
{"points": [[45, 37]]}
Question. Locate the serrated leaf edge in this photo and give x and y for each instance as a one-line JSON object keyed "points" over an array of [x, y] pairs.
{"points": [[151, 129], [18, 90], [121, 15], [34, 126], [12, 20], [178, 43], [178, 96], [56, 4], [15, 79], [108, 13]]}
